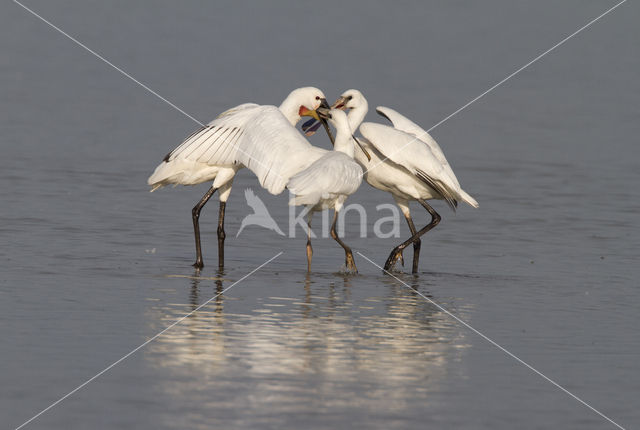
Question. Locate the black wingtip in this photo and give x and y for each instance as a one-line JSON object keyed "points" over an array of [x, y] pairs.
{"points": [[382, 114], [438, 187]]}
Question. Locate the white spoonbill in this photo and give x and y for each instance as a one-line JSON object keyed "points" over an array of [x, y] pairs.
{"points": [[233, 140], [328, 182], [406, 162]]}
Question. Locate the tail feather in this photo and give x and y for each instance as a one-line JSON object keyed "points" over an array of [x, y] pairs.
{"points": [[162, 176], [181, 172], [440, 188], [468, 199]]}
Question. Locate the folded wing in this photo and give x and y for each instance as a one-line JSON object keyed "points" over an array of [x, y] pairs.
{"points": [[333, 174], [402, 123], [418, 158]]}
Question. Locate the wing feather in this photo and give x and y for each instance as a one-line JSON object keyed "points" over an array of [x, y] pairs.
{"points": [[402, 123], [333, 174], [206, 144], [230, 146], [416, 156], [258, 137], [274, 150], [213, 146]]}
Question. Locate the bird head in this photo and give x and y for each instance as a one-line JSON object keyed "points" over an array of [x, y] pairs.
{"points": [[309, 98], [319, 116], [348, 100], [320, 113]]}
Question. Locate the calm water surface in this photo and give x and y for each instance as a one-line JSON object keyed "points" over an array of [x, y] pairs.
{"points": [[92, 265]]}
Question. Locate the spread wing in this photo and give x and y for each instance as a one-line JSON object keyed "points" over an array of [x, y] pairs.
{"points": [[275, 150], [256, 136], [216, 143]]}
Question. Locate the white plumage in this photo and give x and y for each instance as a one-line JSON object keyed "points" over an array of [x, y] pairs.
{"points": [[406, 162], [429, 177], [250, 135], [328, 181], [274, 151], [410, 146]]}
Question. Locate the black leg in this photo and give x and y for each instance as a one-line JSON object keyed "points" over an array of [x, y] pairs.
{"points": [[309, 248], [195, 214], [397, 251], [350, 262], [416, 244], [221, 235]]}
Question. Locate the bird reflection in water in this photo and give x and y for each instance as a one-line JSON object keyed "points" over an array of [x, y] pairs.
{"points": [[201, 335], [325, 339]]}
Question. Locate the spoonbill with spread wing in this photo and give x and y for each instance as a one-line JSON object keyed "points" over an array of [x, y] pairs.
{"points": [[235, 139]]}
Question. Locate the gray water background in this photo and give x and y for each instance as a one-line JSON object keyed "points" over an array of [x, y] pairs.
{"points": [[92, 264]]}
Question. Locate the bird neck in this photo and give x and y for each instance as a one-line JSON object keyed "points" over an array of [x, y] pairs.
{"points": [[344, 142], [290, 108], [356, 115]]}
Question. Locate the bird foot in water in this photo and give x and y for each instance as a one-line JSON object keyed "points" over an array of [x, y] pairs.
{"points": [[351, 264], [392, 260]]}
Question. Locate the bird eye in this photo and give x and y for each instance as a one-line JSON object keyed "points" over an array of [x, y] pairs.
{"points": [[317, 97], [349, 98]]}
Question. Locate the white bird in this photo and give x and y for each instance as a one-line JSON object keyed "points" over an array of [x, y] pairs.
{"points": [[328, 182], [260, 137], [260, 215], [406, 162]]}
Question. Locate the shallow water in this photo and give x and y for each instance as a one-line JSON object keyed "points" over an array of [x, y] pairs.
{"points": [[92, 265]]}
